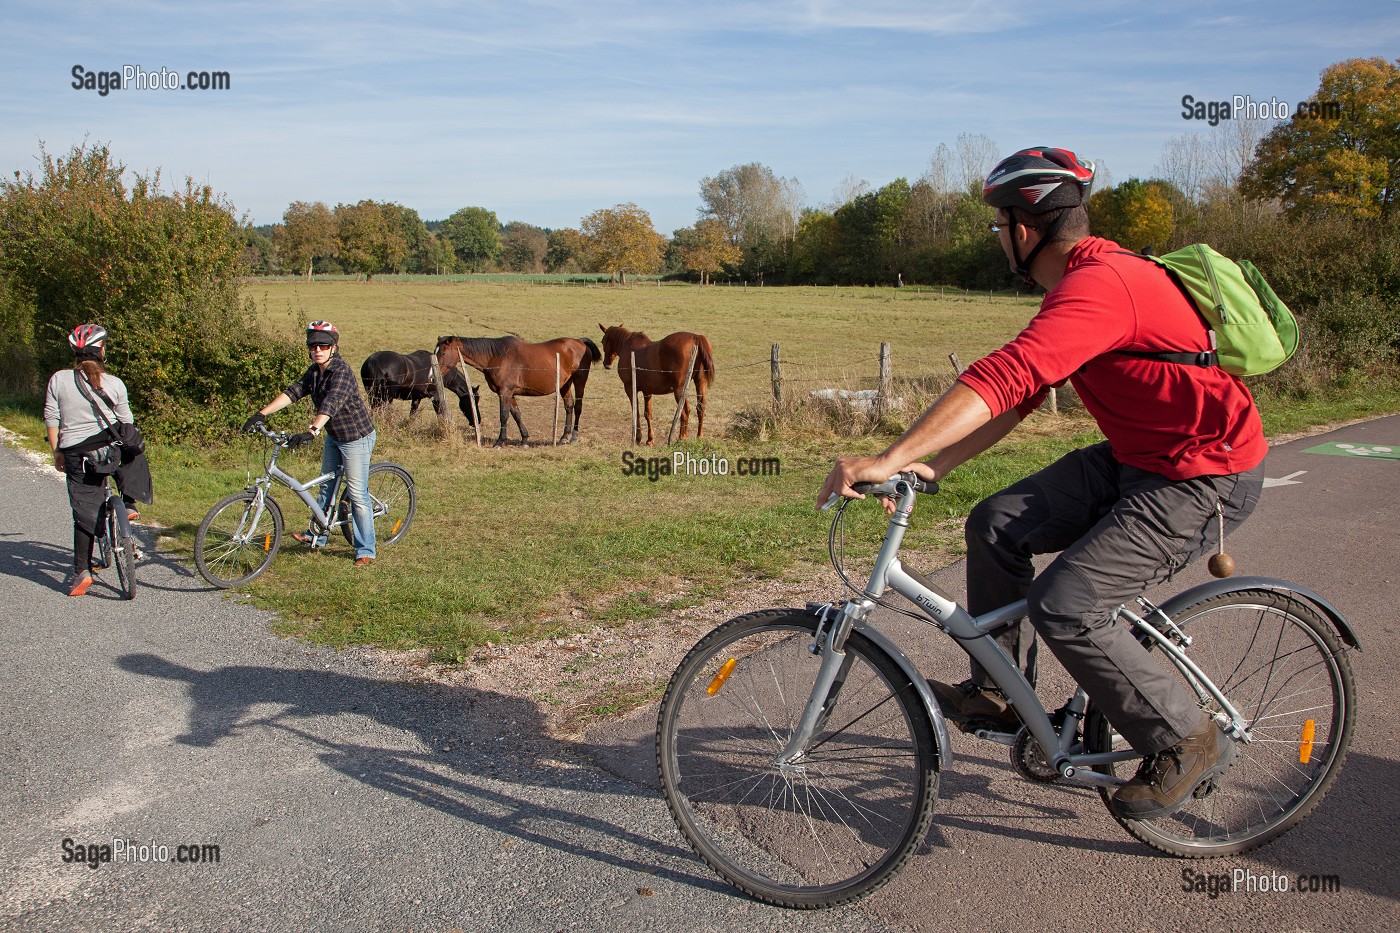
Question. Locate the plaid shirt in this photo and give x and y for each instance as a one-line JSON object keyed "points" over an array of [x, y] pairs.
{"points": [[335, 393]]}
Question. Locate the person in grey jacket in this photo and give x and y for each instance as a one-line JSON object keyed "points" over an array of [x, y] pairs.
{"points": [[74, 430]]}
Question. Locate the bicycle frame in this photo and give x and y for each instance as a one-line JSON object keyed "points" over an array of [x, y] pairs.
{"points": [[972, 635]]}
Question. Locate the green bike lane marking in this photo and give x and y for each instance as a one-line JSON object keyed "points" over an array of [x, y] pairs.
{"points": [[1369, 452]]}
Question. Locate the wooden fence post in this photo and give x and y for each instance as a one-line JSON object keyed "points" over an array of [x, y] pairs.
{"points": [[957, 366], [685, 394], [471, 399], [444, 415], [777, 374], [882, 396]]}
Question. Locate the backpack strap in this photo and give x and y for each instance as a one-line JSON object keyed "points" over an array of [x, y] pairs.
{"points": [[86, 388], [1203, 358]]}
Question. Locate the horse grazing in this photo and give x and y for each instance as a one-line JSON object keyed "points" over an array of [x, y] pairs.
{"points": [[390, 376], [661, 367], [513, 367]]}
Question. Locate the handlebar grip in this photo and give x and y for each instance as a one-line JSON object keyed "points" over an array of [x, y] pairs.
{"points": [[887, 488]]}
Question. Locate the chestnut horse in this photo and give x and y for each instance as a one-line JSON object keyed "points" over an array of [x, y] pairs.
{"points": [[513, 367], [661, 366]]}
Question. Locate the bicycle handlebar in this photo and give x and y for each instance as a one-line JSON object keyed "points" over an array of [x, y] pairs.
{"points": [[888, 489]]}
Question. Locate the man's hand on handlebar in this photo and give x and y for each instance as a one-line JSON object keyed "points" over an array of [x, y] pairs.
{"points": [[253, 423], [851, 470]]}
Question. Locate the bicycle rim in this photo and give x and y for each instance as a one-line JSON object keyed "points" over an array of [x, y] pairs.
{"points": [[123, 551], [395, 503], [1282, 668], [844, 819], [234, 544]]}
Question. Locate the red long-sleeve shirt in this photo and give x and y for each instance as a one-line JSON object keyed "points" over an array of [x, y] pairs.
{"points": [[1177, 421]]}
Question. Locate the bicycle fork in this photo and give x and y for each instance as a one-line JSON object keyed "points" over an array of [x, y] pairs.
{"points": [[829, 643]]}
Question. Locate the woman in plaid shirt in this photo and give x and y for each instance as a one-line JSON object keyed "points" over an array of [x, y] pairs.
{"points": [[330, 382]]}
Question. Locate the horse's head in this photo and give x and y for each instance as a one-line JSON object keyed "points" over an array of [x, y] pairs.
{"points": [[613, 339], [448, 352], [469, 408]]}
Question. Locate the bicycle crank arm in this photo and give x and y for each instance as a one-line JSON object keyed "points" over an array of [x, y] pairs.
{"points": [[1091, 777]]}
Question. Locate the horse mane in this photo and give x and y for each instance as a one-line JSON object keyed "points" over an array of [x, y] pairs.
{"points": [[483, 346]]}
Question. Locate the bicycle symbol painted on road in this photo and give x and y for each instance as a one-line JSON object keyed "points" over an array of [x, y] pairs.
{"points": [[1369, 451]]}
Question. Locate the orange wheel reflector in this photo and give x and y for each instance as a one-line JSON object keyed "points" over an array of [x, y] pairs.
{"points": [[1305, 746], [397, 525], [725, 670], [267, 542]]}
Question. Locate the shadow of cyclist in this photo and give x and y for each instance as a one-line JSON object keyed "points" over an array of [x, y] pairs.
{"points": [[468, 741]]}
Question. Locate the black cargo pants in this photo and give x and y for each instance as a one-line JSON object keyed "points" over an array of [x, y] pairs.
{"points": [[1119, 530]]}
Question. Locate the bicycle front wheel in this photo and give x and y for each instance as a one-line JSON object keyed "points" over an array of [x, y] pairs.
{"points": [[123, 547], [823, 830], [238, 538], [1283, 670], [395, 501]]}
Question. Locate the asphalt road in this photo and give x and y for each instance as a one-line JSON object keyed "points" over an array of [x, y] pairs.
{"points": [[341, 797]]}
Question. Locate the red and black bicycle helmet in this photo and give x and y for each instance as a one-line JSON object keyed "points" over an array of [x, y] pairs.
{"points": [[88, 336], [322, 334], [1039, 180]]}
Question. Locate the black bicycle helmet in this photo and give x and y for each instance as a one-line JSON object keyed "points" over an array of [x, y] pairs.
{"points": [[1039, 180], [322, 334], [87, 336]]}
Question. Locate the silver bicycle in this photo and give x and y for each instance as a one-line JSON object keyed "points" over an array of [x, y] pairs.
{"points": [[242, 533], [800, 750]]}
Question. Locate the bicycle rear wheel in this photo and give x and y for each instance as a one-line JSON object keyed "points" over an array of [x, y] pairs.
{"points": [[1282, 668], [238, 538], [822, 831], [123, 547], [395, 501]]}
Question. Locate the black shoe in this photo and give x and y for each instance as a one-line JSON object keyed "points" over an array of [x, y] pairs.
{"points": [[1165, 781], [969, 702]]}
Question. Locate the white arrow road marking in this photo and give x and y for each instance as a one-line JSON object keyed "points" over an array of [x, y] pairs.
{"points": [[1286, 481]]}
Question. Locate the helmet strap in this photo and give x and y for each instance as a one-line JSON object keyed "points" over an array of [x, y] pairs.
{"points": [[1023, 267]]}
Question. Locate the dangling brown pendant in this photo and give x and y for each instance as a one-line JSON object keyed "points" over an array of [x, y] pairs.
{"points": [[1221, 564]]}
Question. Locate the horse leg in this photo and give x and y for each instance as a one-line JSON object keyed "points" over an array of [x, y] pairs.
{"points": [[685, 412], [507, 403], [520, 425], [413, 407], [650, 439], [566, 395]]}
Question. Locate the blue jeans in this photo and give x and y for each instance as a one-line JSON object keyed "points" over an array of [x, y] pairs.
{"points": [[354, 455]]}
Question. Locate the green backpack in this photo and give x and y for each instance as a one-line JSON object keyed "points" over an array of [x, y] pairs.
{"points": [[1251, 330]]}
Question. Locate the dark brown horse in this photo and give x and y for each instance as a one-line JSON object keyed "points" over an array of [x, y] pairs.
{"points": [[513, 367], [661, 366]]}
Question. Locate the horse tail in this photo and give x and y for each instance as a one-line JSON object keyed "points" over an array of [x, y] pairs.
{"points": [[705, 358], [594, 353]]}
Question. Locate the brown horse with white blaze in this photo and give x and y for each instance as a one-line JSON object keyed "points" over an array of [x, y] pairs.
{"points": [[660, 368], [513, 367]]}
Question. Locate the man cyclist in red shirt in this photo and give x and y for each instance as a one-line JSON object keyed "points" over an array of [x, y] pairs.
{"points": [[1184, 447]]}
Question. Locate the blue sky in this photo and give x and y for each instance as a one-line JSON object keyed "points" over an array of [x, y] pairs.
{"points": [[546, 111]]}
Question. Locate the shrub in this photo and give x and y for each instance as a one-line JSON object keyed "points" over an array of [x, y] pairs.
{"points": [[158, 270]]}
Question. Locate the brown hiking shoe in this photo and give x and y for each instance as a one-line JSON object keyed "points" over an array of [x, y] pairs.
{"points": [[969, 701], [1166, 780]]}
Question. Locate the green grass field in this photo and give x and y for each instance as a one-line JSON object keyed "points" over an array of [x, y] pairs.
{"points": [[514, 544]]}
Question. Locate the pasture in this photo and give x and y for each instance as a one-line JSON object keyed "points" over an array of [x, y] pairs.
{"points": [[513, 545]]}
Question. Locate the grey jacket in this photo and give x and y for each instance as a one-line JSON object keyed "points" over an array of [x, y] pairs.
{"points": [[66, 408]]}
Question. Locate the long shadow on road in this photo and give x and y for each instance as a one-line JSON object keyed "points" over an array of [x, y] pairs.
{"points": [[476, 742]]}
